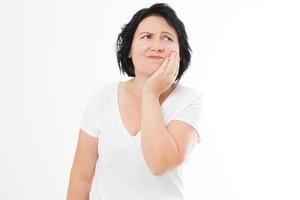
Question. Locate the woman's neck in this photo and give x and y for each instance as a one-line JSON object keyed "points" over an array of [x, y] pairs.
{"points": [[135, 87]]}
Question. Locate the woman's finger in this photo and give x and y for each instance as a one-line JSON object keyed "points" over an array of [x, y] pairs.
{"points": [[163, 66], [178, 65], [170, 67], [174, 71]]}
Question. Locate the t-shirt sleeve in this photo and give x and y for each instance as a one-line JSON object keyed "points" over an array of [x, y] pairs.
{"points": [[90, 119], [191, 113]]}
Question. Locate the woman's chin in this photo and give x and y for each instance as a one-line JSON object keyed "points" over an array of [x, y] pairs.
{"points": [[149, 70], [155, 67], [153, 70]]}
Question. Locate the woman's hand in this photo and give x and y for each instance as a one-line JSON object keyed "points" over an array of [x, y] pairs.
{"points": [[164, 77]]}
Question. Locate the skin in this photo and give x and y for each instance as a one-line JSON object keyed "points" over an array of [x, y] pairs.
{"points": [[154, 36], [164, 147]]}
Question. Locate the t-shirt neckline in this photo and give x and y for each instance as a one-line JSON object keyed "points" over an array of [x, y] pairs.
{"points": [[118, 114]]}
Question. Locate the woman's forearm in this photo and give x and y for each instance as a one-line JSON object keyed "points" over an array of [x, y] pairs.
{"points": [[78, 189], [159, 148]]}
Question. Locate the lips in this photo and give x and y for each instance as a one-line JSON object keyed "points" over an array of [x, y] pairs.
{"points": [[155, 57]]}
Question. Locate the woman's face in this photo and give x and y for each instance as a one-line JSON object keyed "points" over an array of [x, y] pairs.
{"points": [[153, 40]]}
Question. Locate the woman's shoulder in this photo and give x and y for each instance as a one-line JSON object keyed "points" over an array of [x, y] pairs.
{"points": [[102, 90], [105, 87], [189, 92]]}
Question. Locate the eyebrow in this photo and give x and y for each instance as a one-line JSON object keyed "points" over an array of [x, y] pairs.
{"points": [[165, 32]]}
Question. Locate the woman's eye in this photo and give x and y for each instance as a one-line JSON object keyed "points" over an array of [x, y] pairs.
{"points": [[168, 38], [165, 37], [146, 36]]}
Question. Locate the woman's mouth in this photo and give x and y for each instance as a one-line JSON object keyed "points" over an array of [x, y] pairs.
{"points": [[155, 57]]}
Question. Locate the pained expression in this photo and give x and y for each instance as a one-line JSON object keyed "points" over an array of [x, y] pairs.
{"points": [[153, 40]]}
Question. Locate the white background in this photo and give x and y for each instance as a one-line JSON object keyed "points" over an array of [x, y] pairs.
{"points": [[245, 61]]}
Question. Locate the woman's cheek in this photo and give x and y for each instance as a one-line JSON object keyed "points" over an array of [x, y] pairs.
{"points": [[173, 47]]}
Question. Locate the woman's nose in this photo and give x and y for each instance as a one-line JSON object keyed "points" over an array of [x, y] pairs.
{"points": [[157, 45]]}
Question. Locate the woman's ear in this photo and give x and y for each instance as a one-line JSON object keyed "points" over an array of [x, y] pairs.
{"points": [[129, 55]]}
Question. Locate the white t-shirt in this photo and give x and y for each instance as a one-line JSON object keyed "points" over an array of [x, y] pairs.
{"points": [[121, 172]]}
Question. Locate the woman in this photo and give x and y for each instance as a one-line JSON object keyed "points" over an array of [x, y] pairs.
{"points": [[136, 135]]}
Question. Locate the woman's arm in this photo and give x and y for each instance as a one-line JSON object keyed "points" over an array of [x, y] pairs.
{"points": [[83, 168], [164, 147]]}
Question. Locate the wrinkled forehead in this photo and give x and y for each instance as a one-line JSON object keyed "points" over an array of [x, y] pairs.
{"points": [[155, 24]]}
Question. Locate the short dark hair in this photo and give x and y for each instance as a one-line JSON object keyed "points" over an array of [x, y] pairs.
{"points": [[125, 38]]}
